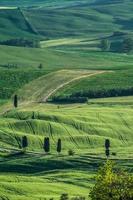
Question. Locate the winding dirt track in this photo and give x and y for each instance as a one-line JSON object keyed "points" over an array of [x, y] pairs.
{"points": [[68, 82]]}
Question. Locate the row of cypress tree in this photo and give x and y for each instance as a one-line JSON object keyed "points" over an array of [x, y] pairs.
{"points": [[46, 144]]}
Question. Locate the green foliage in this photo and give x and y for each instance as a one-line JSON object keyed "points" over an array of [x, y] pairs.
{"points": [[64, 196], [114, 185], [71, 152]]}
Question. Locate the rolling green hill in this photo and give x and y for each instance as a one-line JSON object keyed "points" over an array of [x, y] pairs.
{"points": [[41, 89], [19, 66], [61, 19], [14, 25], [69, 64], [82, 128], [115, 83]]}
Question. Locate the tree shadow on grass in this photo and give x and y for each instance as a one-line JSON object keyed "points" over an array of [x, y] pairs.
{"points": [[29, 164], [35, 164]]}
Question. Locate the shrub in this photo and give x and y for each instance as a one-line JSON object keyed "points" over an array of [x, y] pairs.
{"points": [[64, 196], [113, 185], [71, 152], [114, 153]]}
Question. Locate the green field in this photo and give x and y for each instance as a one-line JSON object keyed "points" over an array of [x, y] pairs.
{"points": [[65, 19], [27, 61], [69, 64], [82, 127]]}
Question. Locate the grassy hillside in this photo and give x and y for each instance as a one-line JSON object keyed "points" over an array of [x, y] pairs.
{"points": [[115, 83], [46, 86], [66, 19], [14, 25], [39, 2], [42, 177], [82, 128], [72, 65], [12, 79], [20, 65]]}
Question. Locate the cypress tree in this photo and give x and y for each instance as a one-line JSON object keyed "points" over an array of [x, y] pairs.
{"points": [[24, 142], [107, 146], [15, 101], [46, 145], [107, 152], [33, 116], [59, 146], [107, 143]]}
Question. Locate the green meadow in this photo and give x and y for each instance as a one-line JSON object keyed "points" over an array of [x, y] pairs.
{"points": [[81, 127], [69, 63]]}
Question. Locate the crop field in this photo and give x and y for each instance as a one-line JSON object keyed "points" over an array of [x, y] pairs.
{"points": [[81, 127], [106, 82], [19, 66], [46, 86]]}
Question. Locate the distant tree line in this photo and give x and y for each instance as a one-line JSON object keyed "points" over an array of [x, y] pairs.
{"points": [[124, 46], [83, 96], [21, 42], [69, 99]]}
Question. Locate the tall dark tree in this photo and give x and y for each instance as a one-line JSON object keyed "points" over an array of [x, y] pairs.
{"points": [[107, 143], [24, 142], [107, 152], [33, 115], [15, 101], [46, 145], [59, 146], [107, 146]]}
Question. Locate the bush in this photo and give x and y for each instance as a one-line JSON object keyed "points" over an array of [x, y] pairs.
{"points": [[114, 153], [71, 152], [64, 196], [113, 185]]}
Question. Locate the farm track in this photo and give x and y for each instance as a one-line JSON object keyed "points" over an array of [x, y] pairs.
{"points": [[68, 82]]}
